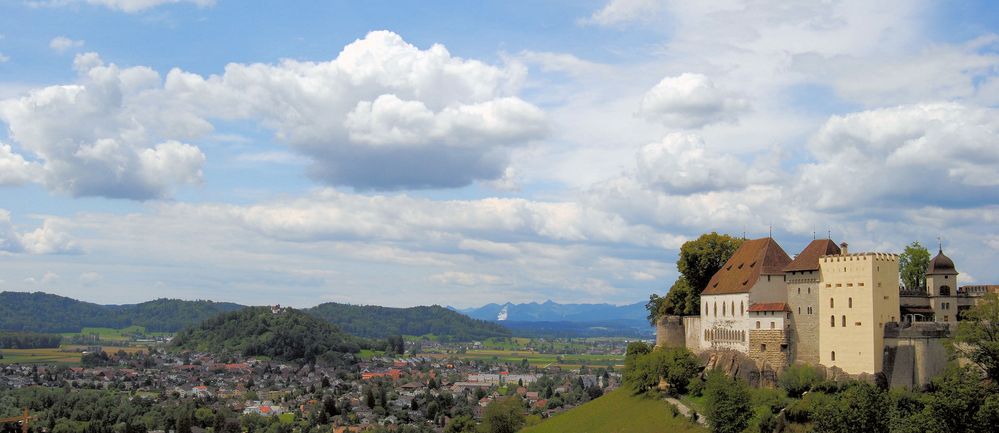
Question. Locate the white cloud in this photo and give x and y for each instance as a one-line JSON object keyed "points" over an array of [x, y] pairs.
{"points": [[107, 136], [690, 101], [14, 170], [467, 279], [681, 164], [4, 58], [50, 238], [383, 115], [623, 11], [943, 154], [62, 43]]}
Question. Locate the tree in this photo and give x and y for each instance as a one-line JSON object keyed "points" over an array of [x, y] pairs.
{"points": [[702, 257], [912, 264], [674, 365], [461, 424], [504, 416], [861, 408], [798, 378], [728, 403], [977, 337]]}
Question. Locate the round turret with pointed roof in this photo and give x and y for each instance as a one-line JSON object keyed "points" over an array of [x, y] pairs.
{"points": [[941, 265]]}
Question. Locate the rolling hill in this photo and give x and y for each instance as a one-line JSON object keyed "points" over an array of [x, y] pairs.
{"points": [[286, 335], [617, 412], [551, 319], [43, 312], [379, 322]]}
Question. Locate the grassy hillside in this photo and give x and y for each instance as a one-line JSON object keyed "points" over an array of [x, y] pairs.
{"points": [[379, 322], [617, 412], [288, 335]]}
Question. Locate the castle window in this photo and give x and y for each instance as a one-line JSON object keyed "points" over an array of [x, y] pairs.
{"points": [[763, 347], [946, 318], [799, 290], [768, 278], [945, 290], [733, 309], [716, 309], [839, 285], [850, 302], [849, 284], [742, 309], [799, 311], [809, 310], [860, 284], [809, 290], [723, 310], [833, 356], [844, 320], [757, 324], [832, 321], [832, 304], [773, 325]]}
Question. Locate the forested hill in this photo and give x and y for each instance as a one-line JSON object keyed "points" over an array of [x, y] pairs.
{"points": [[286, 335], [380, 322], [43, 312]]}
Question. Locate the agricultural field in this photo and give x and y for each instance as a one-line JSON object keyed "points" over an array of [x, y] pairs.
{"points": [[112, 334], [39, 356]]}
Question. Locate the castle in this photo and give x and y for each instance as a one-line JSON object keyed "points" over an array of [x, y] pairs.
{"points": [[826, 306]]}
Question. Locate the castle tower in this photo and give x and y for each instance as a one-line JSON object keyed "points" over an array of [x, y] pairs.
{"points": [[941, 286], [858, 295]]}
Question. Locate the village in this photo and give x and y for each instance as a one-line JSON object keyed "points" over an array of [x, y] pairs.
{"points": [[427, 389]]}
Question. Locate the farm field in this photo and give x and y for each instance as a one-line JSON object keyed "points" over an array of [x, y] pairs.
{"points": [[39, 356], [65, 355]]}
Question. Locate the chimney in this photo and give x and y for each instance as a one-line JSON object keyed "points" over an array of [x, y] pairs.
{"points": [[843, 249]]}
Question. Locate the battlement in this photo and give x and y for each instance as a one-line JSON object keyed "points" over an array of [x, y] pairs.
{"points": [[858, 257]]}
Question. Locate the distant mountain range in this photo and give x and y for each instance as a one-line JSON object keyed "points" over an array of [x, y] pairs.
{"points": [[566, 320], [549, 311]]}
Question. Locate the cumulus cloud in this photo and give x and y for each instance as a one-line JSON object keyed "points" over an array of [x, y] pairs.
{"points": [[622, 11], [933, 154], [681, 164], [14, 169], [107, 135], [690, 101], [47, 239], [61, 43], [383, 114]]}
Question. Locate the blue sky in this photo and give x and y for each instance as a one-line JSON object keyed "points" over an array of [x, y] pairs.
{"points": [[404, 153]]}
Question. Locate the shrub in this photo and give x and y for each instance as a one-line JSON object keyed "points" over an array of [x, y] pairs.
{"points": [[799, 378], [728, 403]]}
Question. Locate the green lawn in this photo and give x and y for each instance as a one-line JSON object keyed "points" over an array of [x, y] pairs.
{"points": [[617, 412]]}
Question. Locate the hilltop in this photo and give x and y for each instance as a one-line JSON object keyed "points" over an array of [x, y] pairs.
{"points": [[617, 412], [285, 334], [43, 312], [379, 322]]}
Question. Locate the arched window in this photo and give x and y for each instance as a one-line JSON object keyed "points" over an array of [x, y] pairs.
{"points": [[742, 308], [844, 320], [733, 309], [757, 324], [850, 302], [831, 303], [832, 321], [723, 309], [834, 355], [716, 309]]}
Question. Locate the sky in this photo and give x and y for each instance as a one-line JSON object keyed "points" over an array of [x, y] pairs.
{"points": [[461, 153]]}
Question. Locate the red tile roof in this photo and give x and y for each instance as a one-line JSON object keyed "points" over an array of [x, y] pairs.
{"points": [[753, 258], [808, 258], [773, 306]]}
